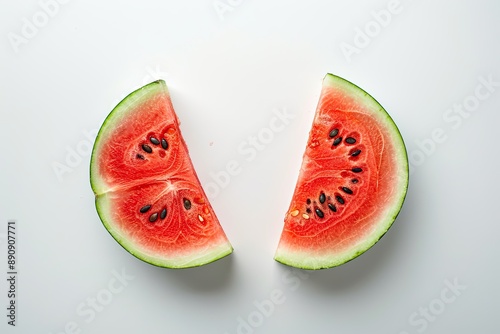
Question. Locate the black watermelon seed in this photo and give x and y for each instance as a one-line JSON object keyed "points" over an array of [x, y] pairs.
{"points": [[163, 213], [308, 201], [164, 143], [357, 170], [147, 148], [354, 180], [319, 213], [333, 133], [139, 156], [187, 204], [355, 153], [339, 199], [332, 207], [350, 140], [337, 141], [322, 198], [153, 217], [347, 190], [154, 140], [308, 210], [145, 208]]}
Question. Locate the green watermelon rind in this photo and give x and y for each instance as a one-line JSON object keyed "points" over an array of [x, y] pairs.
{"points": [[197, 259], [100, 189], [309, 261]]}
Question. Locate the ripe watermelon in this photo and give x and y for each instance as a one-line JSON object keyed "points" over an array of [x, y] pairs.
{"points": [[352, 182], [147, 193]]}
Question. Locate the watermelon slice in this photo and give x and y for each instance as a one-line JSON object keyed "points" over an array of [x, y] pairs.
{"points": [[147, 193], [352, 182]]}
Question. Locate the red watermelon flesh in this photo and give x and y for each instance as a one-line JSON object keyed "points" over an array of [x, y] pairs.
{"points": [[148, 195], [352, 182]]}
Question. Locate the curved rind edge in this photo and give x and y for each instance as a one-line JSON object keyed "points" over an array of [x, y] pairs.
{"points": [[307, 261], [198, 259]]}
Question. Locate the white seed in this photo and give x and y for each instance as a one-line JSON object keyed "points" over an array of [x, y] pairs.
{"points": [[305, 216], [200, 218], [294, 213]]}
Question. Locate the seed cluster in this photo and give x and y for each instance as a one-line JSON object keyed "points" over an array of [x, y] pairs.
{"points": [[162, 214], [328, 203], [324, 203], [337, 140], [147, 148], [154, 216]]}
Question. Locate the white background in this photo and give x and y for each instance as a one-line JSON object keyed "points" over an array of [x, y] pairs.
{"points": [[228, 70]]}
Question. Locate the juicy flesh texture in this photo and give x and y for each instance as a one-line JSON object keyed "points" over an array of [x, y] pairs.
{"points": [[326, 168], [131, 178]]}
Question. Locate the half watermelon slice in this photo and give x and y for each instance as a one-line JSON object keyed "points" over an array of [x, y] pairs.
{"points": [[352, 182], [147, 193]]}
